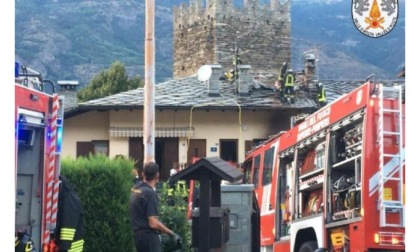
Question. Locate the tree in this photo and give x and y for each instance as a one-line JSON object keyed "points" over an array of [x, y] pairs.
{"points": [[108, 82]]}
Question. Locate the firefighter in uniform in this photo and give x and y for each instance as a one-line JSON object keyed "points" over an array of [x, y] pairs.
{"points": [[144, 212], [233, 74], [181, 187], [230, 76], [321, 94], [170, 200], [70, 223], [281, 79], [236, 60], [289, 90], [23, 242]]}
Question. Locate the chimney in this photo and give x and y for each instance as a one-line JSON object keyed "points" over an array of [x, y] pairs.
{"points": [[68, 88], [244, 80], [214, 82], [310, 67]]}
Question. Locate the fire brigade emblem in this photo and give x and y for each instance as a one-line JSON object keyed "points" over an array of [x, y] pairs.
{"points": [[375, 18]]}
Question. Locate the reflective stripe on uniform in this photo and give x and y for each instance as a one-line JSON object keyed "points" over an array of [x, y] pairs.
{"points": [[76, 246], [170, 192], [67, 234], [290, 82], [321, 97]]}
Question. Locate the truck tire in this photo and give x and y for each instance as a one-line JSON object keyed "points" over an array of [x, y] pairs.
{"points": [[308, 246]]}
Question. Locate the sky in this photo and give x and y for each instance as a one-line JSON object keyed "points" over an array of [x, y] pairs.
{"points": [[7, 178]]}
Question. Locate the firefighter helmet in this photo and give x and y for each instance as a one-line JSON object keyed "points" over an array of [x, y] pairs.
{"points": [[172, 172]]}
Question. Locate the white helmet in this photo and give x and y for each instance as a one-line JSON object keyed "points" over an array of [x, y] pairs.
{"points": [[289, 70]]}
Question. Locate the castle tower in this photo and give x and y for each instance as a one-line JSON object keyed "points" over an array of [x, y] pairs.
{"points": [[206, 31]]}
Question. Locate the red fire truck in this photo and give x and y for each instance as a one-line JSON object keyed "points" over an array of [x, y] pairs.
{"points": [[336, 180], [38, 132]]}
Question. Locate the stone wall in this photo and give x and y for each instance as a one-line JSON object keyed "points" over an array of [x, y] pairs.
{"points": [[206, 33]]}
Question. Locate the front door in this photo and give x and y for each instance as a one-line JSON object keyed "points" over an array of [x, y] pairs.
{"points": [[196, 148]]}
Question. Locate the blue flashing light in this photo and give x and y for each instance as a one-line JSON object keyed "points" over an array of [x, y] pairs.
{"points": [[16, 129], [17, 69], [49, 133], [59, 139]]}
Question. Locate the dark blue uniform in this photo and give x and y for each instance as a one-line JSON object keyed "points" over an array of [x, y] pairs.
{"points": [[70, 219], [144, 204]]}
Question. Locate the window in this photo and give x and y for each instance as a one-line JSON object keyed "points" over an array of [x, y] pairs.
{"points": [[247, 171], [93, 147], [101, 147], [268, 166], [26, 137], [249, 144], [229, 150], [255, 177]]}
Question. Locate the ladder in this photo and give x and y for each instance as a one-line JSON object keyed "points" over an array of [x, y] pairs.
{"points": [[392, 172]]}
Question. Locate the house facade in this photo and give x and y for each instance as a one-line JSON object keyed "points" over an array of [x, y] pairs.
{"points": [[192, 119]]}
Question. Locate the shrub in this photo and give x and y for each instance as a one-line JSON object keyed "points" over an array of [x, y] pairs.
{"points": [[103, 186]]}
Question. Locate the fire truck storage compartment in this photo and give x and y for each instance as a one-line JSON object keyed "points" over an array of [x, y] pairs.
{"points": [[346, 144], [29, 181], [311, 163], [284, 187]]}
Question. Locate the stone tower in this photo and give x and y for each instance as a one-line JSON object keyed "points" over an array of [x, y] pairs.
{"points": [[206, 32]]}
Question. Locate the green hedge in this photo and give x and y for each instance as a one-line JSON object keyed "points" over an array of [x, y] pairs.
{"points": [[104, 186]]}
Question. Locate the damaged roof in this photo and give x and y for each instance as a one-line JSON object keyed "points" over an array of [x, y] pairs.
{"points": [[189, 92]]}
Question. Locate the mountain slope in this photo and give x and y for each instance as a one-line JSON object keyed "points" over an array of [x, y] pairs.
{"points": [[344, 52], [75, 39]]}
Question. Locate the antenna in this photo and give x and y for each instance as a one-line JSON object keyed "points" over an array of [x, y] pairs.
{"points": [[204, 73]]}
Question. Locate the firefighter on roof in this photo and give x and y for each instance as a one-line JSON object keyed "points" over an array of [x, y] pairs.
{"points": [[230, 76], [281, 79], [233, 74], [289, 85], [321, 95], [69, 219], [236, 60]]}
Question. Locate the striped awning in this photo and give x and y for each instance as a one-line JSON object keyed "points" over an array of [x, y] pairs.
{"points": [[159, 132]]}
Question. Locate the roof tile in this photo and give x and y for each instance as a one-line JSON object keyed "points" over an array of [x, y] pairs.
{"points": [[190, 92]]}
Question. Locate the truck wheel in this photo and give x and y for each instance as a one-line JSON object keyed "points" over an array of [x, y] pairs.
{"points": [[308, 246]]}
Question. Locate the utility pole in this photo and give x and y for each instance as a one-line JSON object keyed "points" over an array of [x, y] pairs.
{"points": [[149, 85]]}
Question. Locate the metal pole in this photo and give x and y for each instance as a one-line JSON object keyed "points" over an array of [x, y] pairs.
{"points": [[149, 86]]}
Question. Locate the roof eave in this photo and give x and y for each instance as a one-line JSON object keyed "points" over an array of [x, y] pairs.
{"points": [[85, 108]]}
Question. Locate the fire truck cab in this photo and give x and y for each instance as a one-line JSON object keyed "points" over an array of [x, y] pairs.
{"points": [[336, 180], [38, 132]]}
